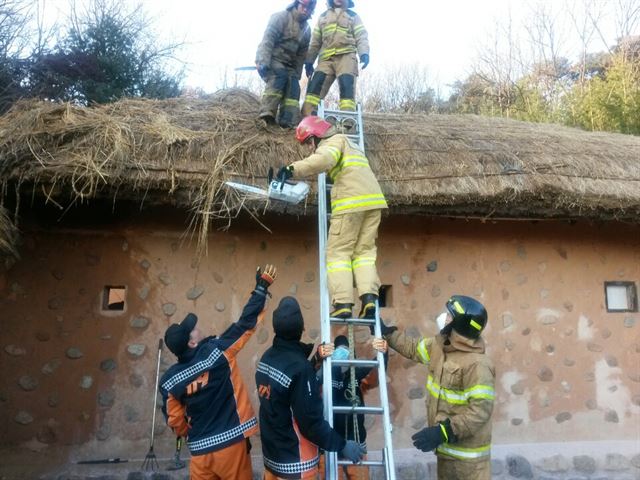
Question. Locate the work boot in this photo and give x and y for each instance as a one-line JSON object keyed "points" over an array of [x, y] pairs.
{"points": [[368, 309], [341, 310]]}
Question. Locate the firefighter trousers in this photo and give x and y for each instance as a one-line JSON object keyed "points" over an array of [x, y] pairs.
{"points": [[343, 67], [351, 255], [281, 97], [230, 463], [459, 470]]}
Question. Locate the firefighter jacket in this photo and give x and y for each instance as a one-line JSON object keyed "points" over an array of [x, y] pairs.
{"points": [[204, 397], [338, 31], [460, 386], [292, 426], [355, 187], [285, 42]]}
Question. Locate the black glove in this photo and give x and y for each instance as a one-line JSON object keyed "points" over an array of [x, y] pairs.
{"points": [[353, 451], [308, 69], [430, 438], [266, 278], [262, 70], [364, 60], [384, 330], [285, 173]]}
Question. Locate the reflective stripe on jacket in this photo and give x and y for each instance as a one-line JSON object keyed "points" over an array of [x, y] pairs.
{"points": [[204, 396], [460, 386], [338, 31], [355, 187], [285, 41]]}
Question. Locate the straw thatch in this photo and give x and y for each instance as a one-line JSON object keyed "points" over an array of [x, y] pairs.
{"points": [[181, 151], [8, 238]]}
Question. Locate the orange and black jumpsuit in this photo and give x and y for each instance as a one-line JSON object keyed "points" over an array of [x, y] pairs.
{"points": [[205, 400], [292, 425]]}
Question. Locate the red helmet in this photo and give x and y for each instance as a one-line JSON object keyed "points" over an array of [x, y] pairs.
{"points": [[311, 126]]}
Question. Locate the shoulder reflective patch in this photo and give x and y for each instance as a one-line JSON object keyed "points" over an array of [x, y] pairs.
{"points": [[422, 351]]}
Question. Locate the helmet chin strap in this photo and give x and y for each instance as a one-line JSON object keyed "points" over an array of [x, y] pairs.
{"points": [[446, 330]]}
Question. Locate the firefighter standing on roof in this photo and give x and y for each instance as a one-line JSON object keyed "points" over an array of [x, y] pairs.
{"points": [[460, 389], [338, 40], [279, 62], [356, 208]]}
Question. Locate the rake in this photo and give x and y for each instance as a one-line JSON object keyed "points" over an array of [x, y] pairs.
{"points": [[150, 461]]}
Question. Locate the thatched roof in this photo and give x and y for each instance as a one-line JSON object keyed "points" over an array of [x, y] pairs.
{"points": [[180, 151]]}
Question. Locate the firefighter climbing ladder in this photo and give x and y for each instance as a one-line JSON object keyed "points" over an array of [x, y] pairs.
{"points": [[352, 121]]}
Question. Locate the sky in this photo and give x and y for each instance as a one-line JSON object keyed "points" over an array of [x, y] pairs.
{"points": [[444, 36]]}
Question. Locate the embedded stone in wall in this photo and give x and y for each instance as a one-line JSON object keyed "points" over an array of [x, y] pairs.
{"points": [[611, 360], [57, 274], [145, 264], [125, 246], [435, 291], [432, 266], [290, 260], [589, 376], [418, 422], [505, 294], [92, 259], [23, 418], [505, 266], [169, 309], [405, 279], [263, 335], [51, 366], [545, 374], [568, 306], [309, 277], [136, 349], [43, 336], [611, 416], [415, 393], [555, 464], [584, 464], [497, 466], [519, 467], [563, 417], [195, 292], [521, 251], [635, 460], [293, 289], [55, 303], [594, 347], [521, 279], [165, 279], [86, 382], [526, 331], [565, 386], [131, 415], [517, 388], [47, 434], [74, 353], [15, 351], [108, 365], [84, 417], [217, 277], [509, 345], [220, 306], [629, 322], [606, 333], [53, 400], [103, 432], [550, 349], [106, 398], [143, 292], [516, 421], [544, 294], [136, 380], [139, 322], [27, 383], [369, 422], [614, 462]]}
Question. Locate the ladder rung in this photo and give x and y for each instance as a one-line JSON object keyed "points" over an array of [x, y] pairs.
{"points": [[354, 363], [365, 410], [353, 321], [344, 113], [364, 463]]}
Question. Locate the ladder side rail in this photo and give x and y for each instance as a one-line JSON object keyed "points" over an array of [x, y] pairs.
{"points": [[360, 128], [331, 458], [384, 402]]}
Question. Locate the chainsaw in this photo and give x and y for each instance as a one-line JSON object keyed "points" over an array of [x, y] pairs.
{"points": [[286, 191]]}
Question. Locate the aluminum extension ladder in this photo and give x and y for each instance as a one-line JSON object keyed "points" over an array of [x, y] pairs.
{"points": [[356, 134]]}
